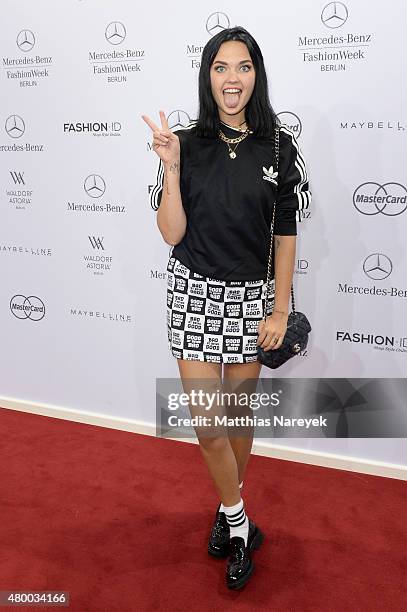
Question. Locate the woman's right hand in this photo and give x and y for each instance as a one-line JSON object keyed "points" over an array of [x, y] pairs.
{"points": [[165, 143]]}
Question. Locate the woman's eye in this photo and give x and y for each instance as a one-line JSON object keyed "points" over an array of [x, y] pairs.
{"points": [[244, 66]]}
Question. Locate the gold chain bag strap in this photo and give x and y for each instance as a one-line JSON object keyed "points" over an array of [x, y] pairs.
{"points": [[298, 326]]}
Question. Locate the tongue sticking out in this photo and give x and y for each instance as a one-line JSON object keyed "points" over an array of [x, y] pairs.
{"points": [[231, 99]]}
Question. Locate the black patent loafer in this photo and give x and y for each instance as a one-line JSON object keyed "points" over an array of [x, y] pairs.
{"points": [[240, 565], [218, 545]]}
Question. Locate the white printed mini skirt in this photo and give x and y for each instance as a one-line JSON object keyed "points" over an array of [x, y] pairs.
{"points": [[213, 320]]}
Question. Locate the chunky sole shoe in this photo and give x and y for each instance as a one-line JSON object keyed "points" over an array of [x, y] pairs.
{"points": [[218, 545], [240, 565]]}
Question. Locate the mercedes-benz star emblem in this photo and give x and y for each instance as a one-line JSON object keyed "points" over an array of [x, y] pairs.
{"points": [[14, 126], [178, 119], [25, 40], [216, 23], [377, 266], [334, 15], [115, 33], [94, 186]]}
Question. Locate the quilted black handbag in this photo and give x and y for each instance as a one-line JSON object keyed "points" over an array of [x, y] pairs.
{"points": [[298, 326]]}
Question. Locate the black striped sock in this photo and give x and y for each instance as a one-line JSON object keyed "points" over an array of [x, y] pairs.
{"points": [[237, 520]]}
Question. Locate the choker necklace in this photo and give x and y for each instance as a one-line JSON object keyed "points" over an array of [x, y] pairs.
{"points": [[235, 127]]}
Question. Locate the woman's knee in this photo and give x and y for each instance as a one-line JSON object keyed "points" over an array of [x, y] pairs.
{"points": [[213, 444]]}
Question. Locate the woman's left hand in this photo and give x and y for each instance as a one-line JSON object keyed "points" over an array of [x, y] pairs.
{"points": [[272, 331]]}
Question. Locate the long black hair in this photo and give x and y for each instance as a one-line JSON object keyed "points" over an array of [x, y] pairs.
{"points": [[259, 114]]}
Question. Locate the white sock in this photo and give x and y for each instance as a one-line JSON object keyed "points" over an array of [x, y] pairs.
{"points": [[237, 520], [221, 509]]}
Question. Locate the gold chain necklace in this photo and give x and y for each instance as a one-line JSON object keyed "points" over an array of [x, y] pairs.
{"points": [[236, 141]]}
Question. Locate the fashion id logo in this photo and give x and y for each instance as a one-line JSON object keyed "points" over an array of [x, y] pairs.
{"points": [[269, 175]]}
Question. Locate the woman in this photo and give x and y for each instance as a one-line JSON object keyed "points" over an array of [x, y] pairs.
{"points": [[214, 192]]}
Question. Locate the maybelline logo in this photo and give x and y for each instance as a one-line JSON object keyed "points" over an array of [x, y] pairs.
{"points": [[15, 127], [96, 128], [94, 186], [118, 63], [389, 199], [377, 341], [31, 307], [20, 198], [216, 22], [12, 248], [98, 263], [26, 70], [377, 267], [398, 126], [343, 47], [100, 314]]}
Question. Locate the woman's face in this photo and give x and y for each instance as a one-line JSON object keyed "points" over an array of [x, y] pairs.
{"points": [[232, 68]]}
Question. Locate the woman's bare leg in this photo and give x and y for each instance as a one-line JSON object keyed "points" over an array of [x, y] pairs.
{"points": [[241, 378], [217, 450]]}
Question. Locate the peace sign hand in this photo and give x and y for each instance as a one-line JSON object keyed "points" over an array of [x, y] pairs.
{"points": [[165, 143]]}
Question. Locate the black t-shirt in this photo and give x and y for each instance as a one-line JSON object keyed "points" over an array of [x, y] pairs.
{"points": [[228, 202]]}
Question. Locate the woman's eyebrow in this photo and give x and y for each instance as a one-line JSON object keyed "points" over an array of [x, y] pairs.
{"points": [[225, 63]]}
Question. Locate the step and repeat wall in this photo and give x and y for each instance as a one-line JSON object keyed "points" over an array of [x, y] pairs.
{"points": [[83, 265]]}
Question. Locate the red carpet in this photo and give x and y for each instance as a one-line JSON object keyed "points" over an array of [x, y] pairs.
{"points": [[121, 521]]}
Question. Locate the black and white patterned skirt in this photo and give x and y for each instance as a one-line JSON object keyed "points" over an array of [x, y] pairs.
{"points": [[213, 320]]}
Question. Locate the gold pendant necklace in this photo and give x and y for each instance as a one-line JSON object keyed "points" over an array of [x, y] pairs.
{"points": [[230, 141]]}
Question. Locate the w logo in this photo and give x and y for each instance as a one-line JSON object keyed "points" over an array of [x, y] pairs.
{"points": [[96, 242], [17, 178]]}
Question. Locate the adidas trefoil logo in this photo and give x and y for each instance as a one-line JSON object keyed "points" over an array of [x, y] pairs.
{"points": [[269, 175]]}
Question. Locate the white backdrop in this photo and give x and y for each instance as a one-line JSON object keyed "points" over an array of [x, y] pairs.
{"points": [[83, 288]]}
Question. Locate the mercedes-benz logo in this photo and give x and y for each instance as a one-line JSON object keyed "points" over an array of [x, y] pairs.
{"points": [[372, 198], [94, 186], [292, 121], [31, 307], [334, 15], [115, 33], [216, 23], [377, 266], [14, 126], [25, 40], [178, 119]]}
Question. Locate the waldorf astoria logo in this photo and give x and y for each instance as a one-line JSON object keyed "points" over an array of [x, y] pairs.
{"points": [[336, 47], [17, 192], [97, 261]]}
